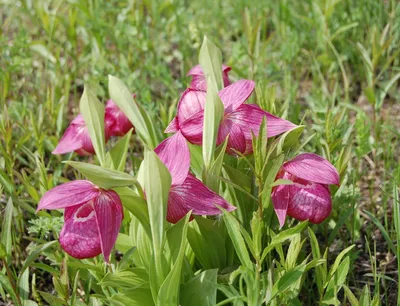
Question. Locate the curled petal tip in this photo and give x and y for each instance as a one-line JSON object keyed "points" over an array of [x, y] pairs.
{"points": [[174, 153], [172, 126], [314, 168], [68, 194]]}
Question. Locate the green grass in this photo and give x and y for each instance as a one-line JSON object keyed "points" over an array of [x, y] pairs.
{"points": [[335, 65]]}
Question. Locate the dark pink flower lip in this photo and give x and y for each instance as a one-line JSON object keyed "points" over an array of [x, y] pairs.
{"points": [[92, 217], [308, 198], [115, 120]]}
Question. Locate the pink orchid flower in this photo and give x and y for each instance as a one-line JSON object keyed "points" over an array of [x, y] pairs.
{"points": [[199, 81], [116, 121], [76, 138], [92, 217], [187, 192], [239, 120], [309, 197]]}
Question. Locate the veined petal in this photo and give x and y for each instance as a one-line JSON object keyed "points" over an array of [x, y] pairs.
{"points": [[311, 203], [225, 79], [194, 195], [236, 140], [73, 137], [197, 70], [79, 236], [109, 214], [236, 94], [280, 197], [116, 123], [68, 195], [198, 82], [191, 102], [314, 168], [174, 153], [250, 116], [172, 126], [192, 128]]}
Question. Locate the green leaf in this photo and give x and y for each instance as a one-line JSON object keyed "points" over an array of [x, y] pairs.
{"points": [[6, 182], [132, 278], [289, 138], [321, 271], [341, 273], [51, 299], [339, 259], [93, 114], [234, 231], [74, 289], [23, 286], [59, 287], [123, 98], [136, 205], [281, 182], [43, 51], [196, 159], [133, 297], [369, 93], [202, 289], [272, 169], [6, 237], [169, 291], [350, 296], [6, 284], [3, 251], [35, 253], [116, 157], [260, 146], [282, 236], [365, 296], [124, 243], [238, 177], [207, 240], [288, 279], [103, 177], [157, 182], [216, 166], [210, 59]]}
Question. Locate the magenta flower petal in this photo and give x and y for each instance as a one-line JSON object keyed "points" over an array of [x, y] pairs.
{"points": [[197, 70], [191, 102], [236, 140], [68, 195], [79, 236], [115, 120], [312, 203], [198, 80], [313, 168], [75, 138], [192, 128], [194, 195], [174, 153], [280, 197], [236, 94], [172, 126], [250, 116], [109, 214]]}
